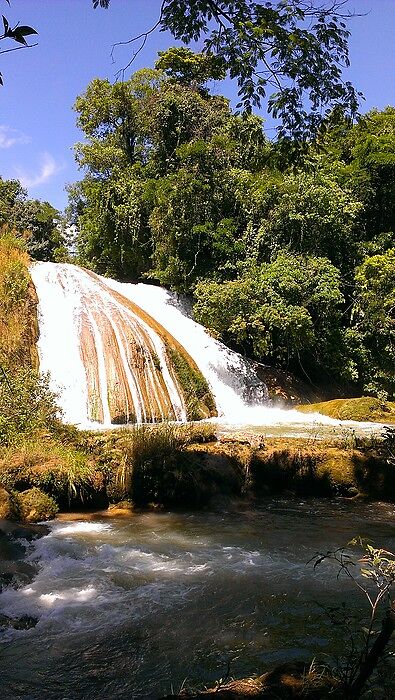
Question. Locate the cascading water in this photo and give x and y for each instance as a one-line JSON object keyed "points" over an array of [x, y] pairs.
{"points": [[104, 344], [106, 361]]}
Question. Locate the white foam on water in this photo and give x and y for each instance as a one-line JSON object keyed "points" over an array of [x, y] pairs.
{"points": [[72, 595], [81, 527]]}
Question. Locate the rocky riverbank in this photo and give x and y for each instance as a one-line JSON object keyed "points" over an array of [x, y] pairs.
{"points": [[190, 466]]}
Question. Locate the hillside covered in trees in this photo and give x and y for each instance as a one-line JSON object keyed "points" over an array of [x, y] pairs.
{"points": [[287, 251], [287, 248]]}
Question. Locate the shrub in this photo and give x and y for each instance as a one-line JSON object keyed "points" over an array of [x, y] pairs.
{"points": [[8, 507], [17, 306], [26, 405]]}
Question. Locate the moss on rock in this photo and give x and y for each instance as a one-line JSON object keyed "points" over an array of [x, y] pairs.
{"points": [[35, 506], [198, 397], [365, 408]]}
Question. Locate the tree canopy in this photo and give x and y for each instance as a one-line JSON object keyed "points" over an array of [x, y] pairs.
{"points": [[290, 54], [283, 259], [36, 223]]}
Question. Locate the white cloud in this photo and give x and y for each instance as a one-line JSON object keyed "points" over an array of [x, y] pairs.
{"points": [[49, 167], [10, 137]]}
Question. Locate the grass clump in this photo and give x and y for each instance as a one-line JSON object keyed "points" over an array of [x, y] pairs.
{"points": [[154, 464], [152, 468], [62, 471]]}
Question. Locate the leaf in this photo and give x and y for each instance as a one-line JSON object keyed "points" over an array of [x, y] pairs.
{"points": [[6, 25], [26, 31], [14, 34], [1, 79]]}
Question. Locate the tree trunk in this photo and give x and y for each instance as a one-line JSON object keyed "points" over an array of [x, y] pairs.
{"points": [[374, 654]]}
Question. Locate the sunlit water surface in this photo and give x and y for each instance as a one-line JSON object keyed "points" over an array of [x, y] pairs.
{"points": [[130, 608]]}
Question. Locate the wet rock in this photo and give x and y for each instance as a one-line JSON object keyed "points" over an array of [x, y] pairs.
{"points": [[10, 549], [8, 509], [123, 508], [16, 573], [353, 492], [234, 440], [25, 622], [25, 531]]}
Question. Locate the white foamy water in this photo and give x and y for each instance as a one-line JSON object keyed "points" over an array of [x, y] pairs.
{"points": [[67, 294], [102, 357]]}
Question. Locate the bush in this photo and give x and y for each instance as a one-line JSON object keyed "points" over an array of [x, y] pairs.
{"points": [[8, 507], [17, 304], [26, 405]]}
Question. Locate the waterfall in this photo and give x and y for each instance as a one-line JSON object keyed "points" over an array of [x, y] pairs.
{"points": [[109, 349], [107, 361]]}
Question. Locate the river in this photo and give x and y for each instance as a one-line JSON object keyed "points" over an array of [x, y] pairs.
{"points": [[132, 608]]}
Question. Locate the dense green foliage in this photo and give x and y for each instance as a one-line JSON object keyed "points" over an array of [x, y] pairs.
{"points": [[287, 54], [288, 261], [27, 406], [37, 223], [288, 309]]}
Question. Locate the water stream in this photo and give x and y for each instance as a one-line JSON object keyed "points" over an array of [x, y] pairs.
{"points": [[130, 608]]}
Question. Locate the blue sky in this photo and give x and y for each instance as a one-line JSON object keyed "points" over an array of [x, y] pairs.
{"points": [[37, 124]]}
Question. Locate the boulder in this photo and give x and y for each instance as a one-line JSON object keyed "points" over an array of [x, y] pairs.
{"points": [[8, 510], [35, 506]]}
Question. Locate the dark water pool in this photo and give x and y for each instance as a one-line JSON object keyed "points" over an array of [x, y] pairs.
{"points": [[132, 608]]}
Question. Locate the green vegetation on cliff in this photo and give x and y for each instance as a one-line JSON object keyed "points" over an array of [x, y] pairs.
{"points": [[198, 397], [26, 404]]}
